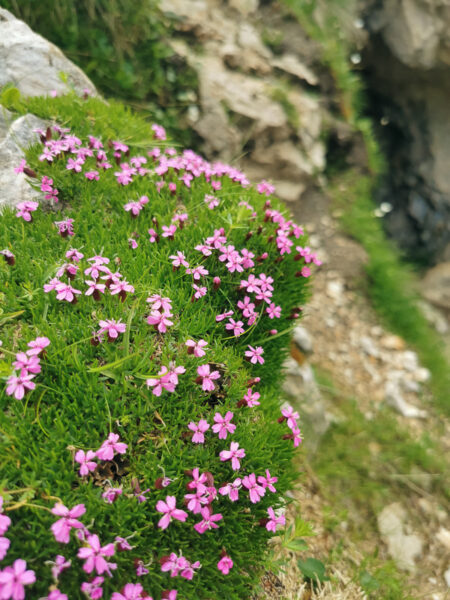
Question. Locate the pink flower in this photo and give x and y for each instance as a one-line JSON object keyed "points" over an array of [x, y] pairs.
{"points": [[273, 521], [134, 208], [231, 489], [65, 228], [121, 288], [85, 460], [75, 164], [61, 528], [56, 595], [234, 454], [4, 545], [251, 398], [211, 201], [197, 272], [169, 231], [291, 416], [254, 355], [223, 316], [65, 291], [199, 291], [268, 481], [159, 320], [159, 132], [223, 425], [196, 348], [205, 377], [209, 520], [20, 167], [235, 326], [94, 555], [38, 345], [273, 311], [179, 260], [60, 565], [92, 175], [25, 208], [112, 328], [130, 591], [154, 237], [264, 187], [27, 364], [170, 511], [256, 491], [94, 289], [19, 386], [111, 494], [167, 380], [14, 578], [122, 543], [110, 447], [199, 430], [225, 564], [93, 589], [132, 243], [5, 521], [169, 595]]}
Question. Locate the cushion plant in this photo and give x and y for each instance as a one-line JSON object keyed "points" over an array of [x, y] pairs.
{"points": [[146, 307]]}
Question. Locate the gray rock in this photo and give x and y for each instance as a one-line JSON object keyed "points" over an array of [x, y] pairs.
{"points": [[302, 339], [394, 398], [16, 136], [436, 286], [403, 548], [32, 63]]}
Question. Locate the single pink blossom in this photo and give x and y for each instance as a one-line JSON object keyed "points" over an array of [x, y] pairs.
{"points": [[69, 520], [223, 425], [56, 595], [170, 511], [38, 345], [234, 454], [231, 489], [256, 491], [60, 565], [225, 564], [236, 326], [93, 588], [206, 377], [18, 386], [110, 447], [209, 520], [268, 481], [254, 355], [196, 348], [95, 555], [112, 328], [199, 430], [130, 591], [4, 545], [85, 460], [273, 521], [14, 578]]}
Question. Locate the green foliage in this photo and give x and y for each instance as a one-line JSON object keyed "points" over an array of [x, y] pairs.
{"points": [[313, 570], [85, 392], [280, 95], [122, 46]]}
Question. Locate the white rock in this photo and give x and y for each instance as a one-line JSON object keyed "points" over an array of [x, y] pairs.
{"points": [[447, 577], [410, 361], [394, 398], [369, 347], [403, 548], [290, 64], [302, 339], [245, 7], [443, 536], [32, 63], [18, 135], [422, 375], [335, 290]]}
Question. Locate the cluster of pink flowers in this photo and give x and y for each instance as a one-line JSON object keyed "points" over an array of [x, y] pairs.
{"points": [[14, 578], [107, 450], [96, 272], [25, 208], [161, 311], [291, 416], [167, 379], [27, 364], [134, 208]]}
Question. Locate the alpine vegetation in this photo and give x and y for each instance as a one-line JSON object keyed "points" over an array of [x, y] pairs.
{"points": [[146, 308]]}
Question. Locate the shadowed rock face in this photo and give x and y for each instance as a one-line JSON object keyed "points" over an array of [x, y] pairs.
{"points": [[408, 73]]}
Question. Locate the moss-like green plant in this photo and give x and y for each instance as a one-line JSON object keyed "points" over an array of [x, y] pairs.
{"points": [[98, 380]]}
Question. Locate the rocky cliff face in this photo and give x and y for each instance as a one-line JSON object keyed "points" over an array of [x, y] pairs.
{"points": [[407, 62]]}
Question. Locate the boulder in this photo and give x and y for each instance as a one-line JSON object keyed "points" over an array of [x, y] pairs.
{"points": [[404, 548], [15, 135], [34, 64]]}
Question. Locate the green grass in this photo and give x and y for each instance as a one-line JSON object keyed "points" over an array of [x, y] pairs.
{"points": [[85, 391]]}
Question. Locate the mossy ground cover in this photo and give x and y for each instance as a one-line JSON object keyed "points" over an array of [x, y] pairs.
{"points": [[85, 392]]}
